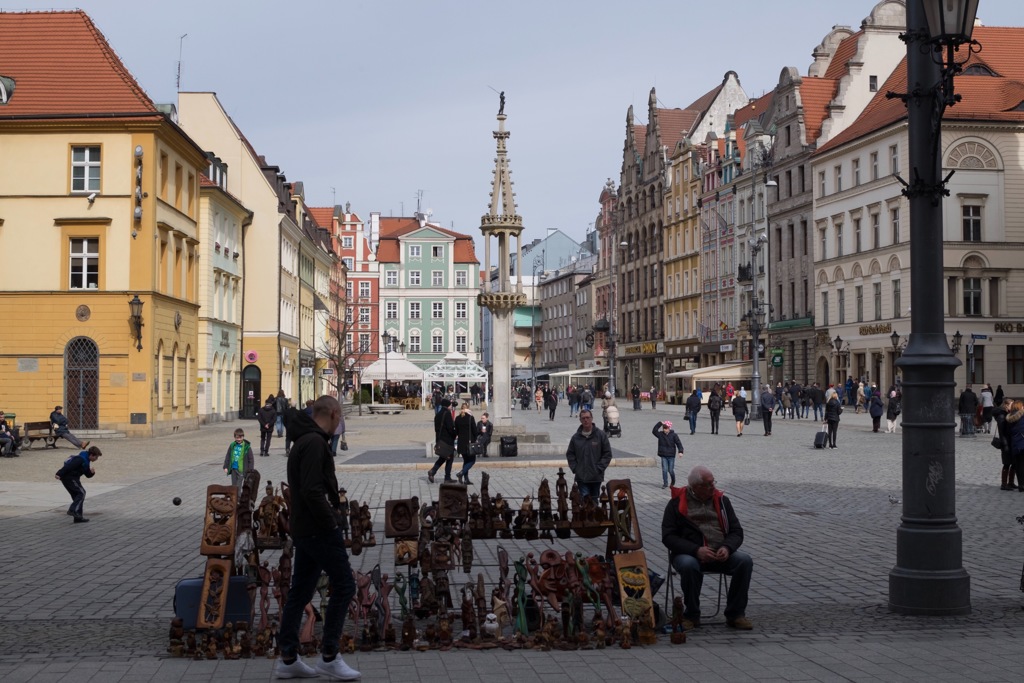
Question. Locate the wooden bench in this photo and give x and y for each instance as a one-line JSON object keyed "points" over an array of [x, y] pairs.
{"points": [[39, 431]]}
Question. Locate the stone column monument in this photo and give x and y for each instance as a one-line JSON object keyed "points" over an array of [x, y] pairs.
{"points": [[500, 297]]}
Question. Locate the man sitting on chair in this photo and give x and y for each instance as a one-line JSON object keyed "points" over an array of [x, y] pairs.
{"points": [[702, 534]]}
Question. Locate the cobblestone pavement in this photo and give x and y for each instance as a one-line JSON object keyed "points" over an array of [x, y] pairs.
{"points": [[93, 602]]}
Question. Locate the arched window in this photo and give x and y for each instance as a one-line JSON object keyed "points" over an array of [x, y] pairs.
{"points": [[174, 376]]}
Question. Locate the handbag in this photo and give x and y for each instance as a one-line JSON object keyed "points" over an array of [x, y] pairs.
{"points": [[997, 442], [746, 420]]}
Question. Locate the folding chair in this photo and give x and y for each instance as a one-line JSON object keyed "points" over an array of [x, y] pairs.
{"points": [[670, 594]]}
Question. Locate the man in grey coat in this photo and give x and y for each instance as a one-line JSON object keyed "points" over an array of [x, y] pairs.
{"points": [[589, 454]]}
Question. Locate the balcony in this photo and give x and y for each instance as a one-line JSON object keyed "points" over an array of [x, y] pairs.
{"points": [[745, 273]]}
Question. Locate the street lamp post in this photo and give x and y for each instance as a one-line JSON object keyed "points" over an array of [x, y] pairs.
{"points": [[755, 323], [386, 338], [928, 577]]}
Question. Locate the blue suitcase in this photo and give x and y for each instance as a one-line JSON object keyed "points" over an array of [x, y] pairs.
{"points": [[188, 592]]}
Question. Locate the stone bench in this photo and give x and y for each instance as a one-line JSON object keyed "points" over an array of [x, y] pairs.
{"points": [[383, 408]]}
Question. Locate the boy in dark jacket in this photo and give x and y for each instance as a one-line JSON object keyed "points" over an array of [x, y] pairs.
{"points": [[238, 460], [70, 474], [668, 445], [267, 417]]}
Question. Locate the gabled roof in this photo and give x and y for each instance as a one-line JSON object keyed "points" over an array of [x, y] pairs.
{"points": [[388, 249], [815, 96], [62, 65], [985, 98], [640, 135], [753, 109], [323, 215], [839, 66]]}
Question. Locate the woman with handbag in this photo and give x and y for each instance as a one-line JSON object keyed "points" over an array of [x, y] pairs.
{"points": [[465, 431], [1002, 441], [444, 442], [892, 411]]}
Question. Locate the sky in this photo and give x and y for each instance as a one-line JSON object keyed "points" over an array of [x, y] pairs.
{"points": [[376, 102]]}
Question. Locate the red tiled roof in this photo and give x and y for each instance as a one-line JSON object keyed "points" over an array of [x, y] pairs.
{"points": [[752, 109], [204, 181], [985, 98], [839, 66], [323, 215], [62, 64], [675, 124], [388, 226], [815, 96], [388, 252]]}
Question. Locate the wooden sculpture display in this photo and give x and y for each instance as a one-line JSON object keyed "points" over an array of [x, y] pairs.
{"points": [[625, 533], [635, 587], [219, 525]]}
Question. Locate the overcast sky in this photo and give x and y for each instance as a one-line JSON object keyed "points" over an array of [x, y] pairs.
{"points": [[370, 101]]}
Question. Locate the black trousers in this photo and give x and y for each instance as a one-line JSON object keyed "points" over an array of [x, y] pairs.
{"points": [[714, 420], [833, 427], [77, 491], [766, 416], [265, 436]]}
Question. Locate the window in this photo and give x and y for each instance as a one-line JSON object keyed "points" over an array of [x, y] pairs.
{"points": [[1015, 364], [873, 83], [348, 343], [461, 278], [838, 171], [364, 315], [437, 278], [858, 292], [437, 252], [894, 159], [414, 342], [824, 308], [364, 342], [364, 289], [789, 137], [347, 242], [415, 251], [857, 235], [414, 310], [839, 239], [897, 303], [85, 263], [877, 292], [349, 263], [821, 184], [391, 310], [841, 305], [972, 296], [348, 315], [85, 169], [800, 176], [460, 343], [437, 343], [876, 231], [824, 242], [894, 220], [414, 278], [461, 310], [874, 165], [972, 222], [856, 172], [391, 278], [437, 310]]}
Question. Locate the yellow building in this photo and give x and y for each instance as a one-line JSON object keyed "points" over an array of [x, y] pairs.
{"points": [[98, 205]]}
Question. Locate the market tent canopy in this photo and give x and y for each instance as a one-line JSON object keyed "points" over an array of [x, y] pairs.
{"points": [[457, 367], [727, 372], [582, 372], [398, 369]]}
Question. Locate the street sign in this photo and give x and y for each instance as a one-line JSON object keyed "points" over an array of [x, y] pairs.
{"points": [[776, 361], [306, 372], [327, 371], [979, 336]]}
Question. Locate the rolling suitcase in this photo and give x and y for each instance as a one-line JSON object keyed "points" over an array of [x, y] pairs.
{"points": [[188, 592], [509, 447], [821, 437]]}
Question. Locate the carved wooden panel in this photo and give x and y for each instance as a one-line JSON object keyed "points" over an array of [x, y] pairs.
{"points": [[625, 529], [401, 517], [635, 587], [452, 502], [214, 599], [219, 523]]}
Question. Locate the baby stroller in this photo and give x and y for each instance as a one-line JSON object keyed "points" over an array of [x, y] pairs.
{"points": [[612, 427]]}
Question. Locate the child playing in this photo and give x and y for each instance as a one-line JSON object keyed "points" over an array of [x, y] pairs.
{"points": [[238, 459], [668, 445], [71, 476]]}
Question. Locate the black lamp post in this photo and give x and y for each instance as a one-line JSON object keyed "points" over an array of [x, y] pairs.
{"points": [[929, 578], [135, 307], [386, 338]]}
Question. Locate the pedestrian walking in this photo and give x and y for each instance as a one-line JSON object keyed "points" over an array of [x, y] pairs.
{"points": [[892, 411], [338, 438], [444, 442], [551, 403], [465, 434], [654, 397], [714, 409], [1010, 466], [238, 460], [767, 405], [70, 475], [669, 446], [266, 416], [318, 545], [281, 405], [739, 412], [876, 409], [692, 408]]}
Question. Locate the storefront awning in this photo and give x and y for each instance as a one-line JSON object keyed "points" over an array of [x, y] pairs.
{"points": [[728, 372]]}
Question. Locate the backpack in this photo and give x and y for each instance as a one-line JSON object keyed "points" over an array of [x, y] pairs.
{"points": [[715, 402]]}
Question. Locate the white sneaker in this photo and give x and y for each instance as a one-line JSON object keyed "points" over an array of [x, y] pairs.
{"points": [[338, 669], [297, 669]]}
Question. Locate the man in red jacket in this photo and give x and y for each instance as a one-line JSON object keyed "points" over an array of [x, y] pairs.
{"points": [[702, 533]]}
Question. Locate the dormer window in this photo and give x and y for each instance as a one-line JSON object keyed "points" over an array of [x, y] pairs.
{"points": [[6, 89], [978, 70]]}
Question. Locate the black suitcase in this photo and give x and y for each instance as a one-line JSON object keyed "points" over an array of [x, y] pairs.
{"points": [[188, 592], [509, 447], [821, 439]]}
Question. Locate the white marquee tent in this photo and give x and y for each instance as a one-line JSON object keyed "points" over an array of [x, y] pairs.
{"points": [[456, 367], [399, 369]]}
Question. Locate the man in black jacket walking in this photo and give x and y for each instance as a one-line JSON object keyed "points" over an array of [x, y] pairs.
{"points": [[318, 543]]}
